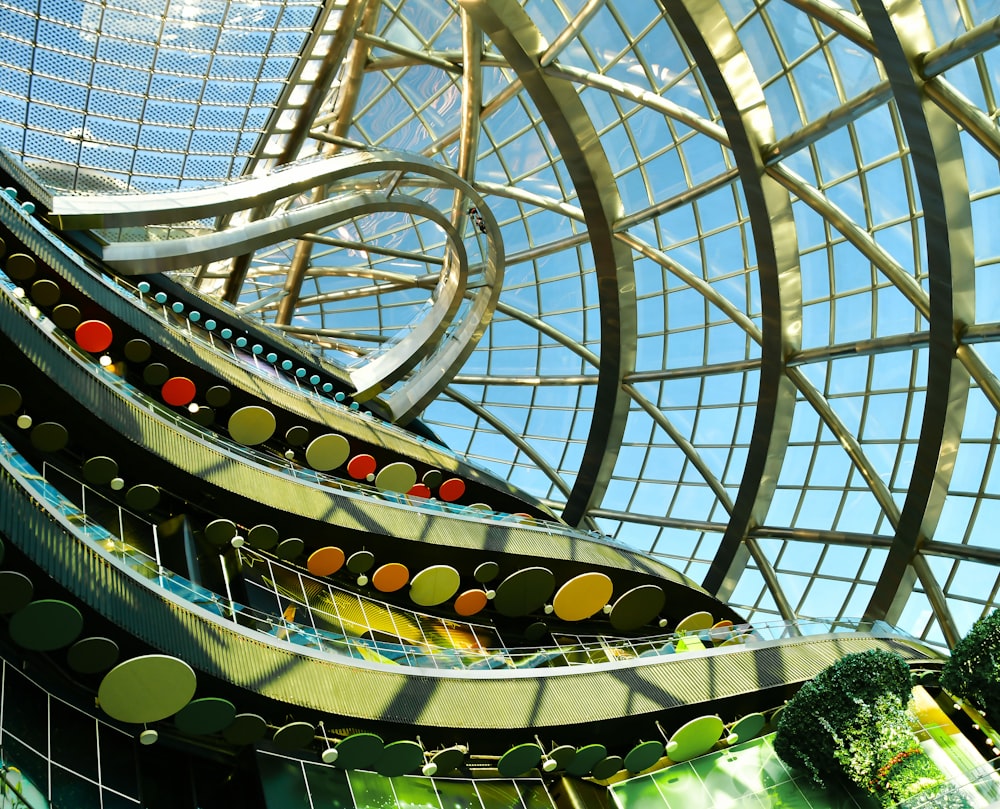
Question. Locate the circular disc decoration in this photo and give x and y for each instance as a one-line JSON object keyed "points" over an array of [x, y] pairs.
{"points": [[747, 727], [137, 350], [391, 577], [16, 590], [45, 625], [582, 596], [643, 756], [452, 489], [585, 759], [66, 316], [155, 374], [536, 631], [91, 655], [487, 571], [20, 266], [419, 490], [263, 537], [360, 561], [218, 396], [297, 435], [220, 532], [143, 497], [432, 479], [45, 293], [518, 760], [205, 416], [360, 466], [10, 400], [470, 602], [326, 561], [434, 585], [251, 425], [606, 767], [326, 452], [178, 391], [294, 735], [289, 548], [147, 688], [359, 751], [49, 436], [93, 336], [202, 717], [636, 607], [694, 738], [563, 756], [399, 758], [695, 622], [100, 470], [246, 728], [396, 477], [449, 759], [524, 591]]}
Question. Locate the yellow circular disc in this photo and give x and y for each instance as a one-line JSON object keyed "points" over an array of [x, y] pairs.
{"points": [[396, 477], [434, 585], [582, 596], [326, 452], [251, 425], [146, 689]]}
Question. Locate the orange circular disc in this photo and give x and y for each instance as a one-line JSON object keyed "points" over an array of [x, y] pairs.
{"points": [[326, 561], [452, 489], [93, 335], [391, 577], [470, 602], [360, 466], [419, 490], [178, 391]]}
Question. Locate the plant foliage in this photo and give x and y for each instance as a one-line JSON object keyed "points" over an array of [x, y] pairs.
{"points": [[973, 670]]}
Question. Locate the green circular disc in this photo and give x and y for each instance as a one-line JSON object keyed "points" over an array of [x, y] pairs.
{"points": [[143, 497], [434, 585], [218, 396], [66, 316], [399, 758], [45, 292], [246, 728], [100, 470], [252, 425], [326, 452], [202, 717], [519, 760], [637, 607], [524, 591], [137, 350], [643, 756], [694, 738], [449, 759], [585, 759], [16, 590], [49, 436], [46, 625], [92, 655], [359, 751], [155, 374], [297, 435], [360, 561], [10, 400], [263, 537], [396, 477], [747, 727], [563, 756], [294, 735], [486, 572], [20, 266], [220, 532], [606, 767], [289, 548]]}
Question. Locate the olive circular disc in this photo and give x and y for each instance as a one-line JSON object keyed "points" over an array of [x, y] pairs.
{"points": [[202, 717], [220, 532], [607, 767], [449, 759], [45, 292], [434, 585], [524, 591], [432, 479], [218, 396], [92, 655], [638, 606], [519, 760], [137, 350], [487, 571], [20, 266], [396, 477], [325, 561], [147, 688], [297, 435], [66, 316], [563, 755], [582, 596], [360, 561], [45, 625], [359, 751], [246, 728], [100, 470], [49, 436], [391, 577], [326, 452], [294, 735], [252, 425], [585, 759], [2, 549], [263, 537], [143, 497], [155, 374], [643, 756], [289, 548], [203, 416], [399, 758], [16, 590], [536, 631], [10, 400]]}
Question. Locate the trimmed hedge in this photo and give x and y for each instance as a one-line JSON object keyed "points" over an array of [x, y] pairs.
{"points": [[973, 670]]}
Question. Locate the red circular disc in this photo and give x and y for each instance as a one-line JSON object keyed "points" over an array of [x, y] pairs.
{"points": [[470, 602], [178, 391], [93, 335], [360, 466], [419, 490], [452, 489]]}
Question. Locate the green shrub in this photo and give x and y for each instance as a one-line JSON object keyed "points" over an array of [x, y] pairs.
{"points": [[973, 670]]}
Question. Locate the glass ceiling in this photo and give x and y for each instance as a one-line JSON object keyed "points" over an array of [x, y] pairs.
{"points": [[750, 315]]}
